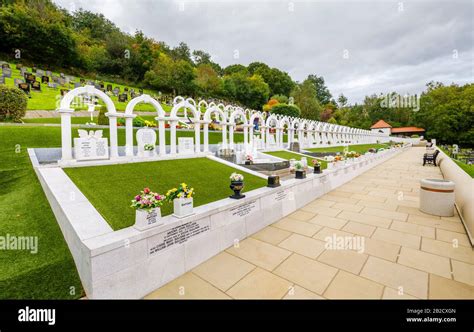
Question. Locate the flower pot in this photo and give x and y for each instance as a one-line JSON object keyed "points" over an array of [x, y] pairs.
{"points": [[300, 174], [248, 162], [237, 187], [182, 207], [317, 169], [149, 153], [145, 219]]}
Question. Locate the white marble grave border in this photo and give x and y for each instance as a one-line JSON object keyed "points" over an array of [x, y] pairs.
{"points": [[117, 264]]}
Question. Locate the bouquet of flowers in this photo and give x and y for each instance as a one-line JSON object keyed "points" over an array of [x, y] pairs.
{"points": [[235, 177], [249, 157], [315, 162], [183, 191], [147, 200], [338, 158], [350, 154]]}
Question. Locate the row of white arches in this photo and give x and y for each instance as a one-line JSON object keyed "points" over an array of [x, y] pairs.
{"points": [[270, 129]]}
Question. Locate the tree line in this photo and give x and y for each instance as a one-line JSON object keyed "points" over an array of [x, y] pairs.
{"points": [[88, 44]]}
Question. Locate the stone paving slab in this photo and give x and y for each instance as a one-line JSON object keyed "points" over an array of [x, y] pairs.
{"points": [[407, 254]]}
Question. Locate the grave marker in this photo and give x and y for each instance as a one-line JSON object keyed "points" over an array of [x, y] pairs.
{"points": [[90, 145], [123, 97], [2, 80], [5, 65], [25, 87], [18, 81], [36, 86], [19, 66], [145, 136], [185, 145], [7, 72], [45, 79]]}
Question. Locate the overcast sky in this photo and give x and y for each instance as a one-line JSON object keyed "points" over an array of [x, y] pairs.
{"points": [[359, 47]]}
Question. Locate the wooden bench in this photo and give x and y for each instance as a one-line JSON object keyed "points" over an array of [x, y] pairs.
{"points": [[430, 158]]}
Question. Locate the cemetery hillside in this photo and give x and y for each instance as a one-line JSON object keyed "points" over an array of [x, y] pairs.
{"points": [[134, 168]]}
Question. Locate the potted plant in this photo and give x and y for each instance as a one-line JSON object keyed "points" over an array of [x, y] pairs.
{"points": [[236, 184], [147, 209], [248, 159], [300, 173], [316, 166], [182, 198]]}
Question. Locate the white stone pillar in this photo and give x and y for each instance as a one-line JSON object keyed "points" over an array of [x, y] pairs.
{"points": [[206, 135], [246, 138], [224, 135], [113, 133], [267, 131], [161, 135], [263, 136], [173, 137], [66, 140], [129, 134], [197, 134], [231, 135]]}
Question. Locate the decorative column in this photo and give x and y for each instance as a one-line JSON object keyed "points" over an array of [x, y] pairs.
{"points": [[231, 135], [267, 131], [264, 136], [113, 133], [246, 139], [161, 135], [197, 135], [66, 140], [129, 134], [291, 134], [173, 123], [205, 125], [251, 135], [224, 134]]}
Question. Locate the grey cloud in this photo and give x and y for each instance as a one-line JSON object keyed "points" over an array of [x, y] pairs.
{"points": [[389, 50]]}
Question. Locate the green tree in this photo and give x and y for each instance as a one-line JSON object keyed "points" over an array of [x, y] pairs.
{"points": [[342, 100], [287, 110], [304, 96], [207, 81], [322, 92]]}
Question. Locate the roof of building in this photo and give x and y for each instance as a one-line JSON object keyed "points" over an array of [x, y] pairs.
{"points": [[381, 124], [407, 130]]}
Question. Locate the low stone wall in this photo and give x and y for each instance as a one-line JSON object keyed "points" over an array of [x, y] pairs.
{"points": [[464, 191], [130, 264]]}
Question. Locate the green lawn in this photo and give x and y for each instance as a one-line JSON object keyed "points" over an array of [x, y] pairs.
{"points": [[469, 169], [47, 98], [290, 155], [360, 148], [76, 120], [24, 210], [210, 180]]}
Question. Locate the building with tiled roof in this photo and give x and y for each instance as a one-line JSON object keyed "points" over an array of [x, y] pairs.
{"points": [[383, 127]]}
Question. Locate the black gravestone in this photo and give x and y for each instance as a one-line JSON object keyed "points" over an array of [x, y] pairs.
{"points": [[36, 86], [45, 79], [109, 87], [125, 89], [82, 81], [64, 91], [132, 95], [123, 97], [25, 87], [141, 91], [30, 78], [19, 66]]}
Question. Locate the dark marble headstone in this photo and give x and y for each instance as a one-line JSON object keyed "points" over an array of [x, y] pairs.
{"points": [[36, 86], [19, 66], [30, 78], [45, 79], [295, 146], [25, 87], [64, 91], [109, 87], [123, 97]]}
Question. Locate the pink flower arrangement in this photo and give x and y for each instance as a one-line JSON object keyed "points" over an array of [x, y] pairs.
{"points": [[147, 200]]}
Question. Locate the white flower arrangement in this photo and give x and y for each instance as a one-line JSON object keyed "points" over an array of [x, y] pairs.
{"points": [[298, 165], [236, 177]]}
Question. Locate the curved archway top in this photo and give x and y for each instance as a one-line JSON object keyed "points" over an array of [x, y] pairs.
{"points": [[146, 99], [257, 115], [191, 101], [272, 119], [238, 111], [284, 120], [221, 106], [214, 109], [89, 90], [178, 99], [185, 104], [294, 122]]}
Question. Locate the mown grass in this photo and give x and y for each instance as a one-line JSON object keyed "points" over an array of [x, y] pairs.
{"points": [[360, 148], [290, 155], [111, 188], [469, 169]]}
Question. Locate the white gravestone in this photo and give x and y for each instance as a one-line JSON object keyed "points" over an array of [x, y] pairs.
{"points": [[146, 136], [185, 145], [271, 140], [90, 145]]}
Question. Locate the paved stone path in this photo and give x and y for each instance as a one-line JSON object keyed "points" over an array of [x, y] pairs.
{"points": [[408, 254]]}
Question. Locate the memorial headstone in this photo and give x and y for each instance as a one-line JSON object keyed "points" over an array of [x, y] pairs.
{"points": [[62, 81], [132, 95], [2, 80], [7, 72], [140, 91], [116, 91], [18, 81], [64, 91], [185, 145], [146, 136], [5, 65], [19, 66], [25, 87], [77, 85], [36, 86], [22, 71], [40, 72], [295, 146], [33, 69], [62, 75], [125, 89], [52, 85], [45, 79], [83, 81], [123, 97], [55, 79], [30, 78], [90, 145], [109, 87], [49, 73]]}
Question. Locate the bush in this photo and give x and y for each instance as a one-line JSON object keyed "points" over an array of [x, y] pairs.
{"points": [[138, 122], [102, 119], [282, 99], [287, 110], [415, 136], [13, 103]]}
